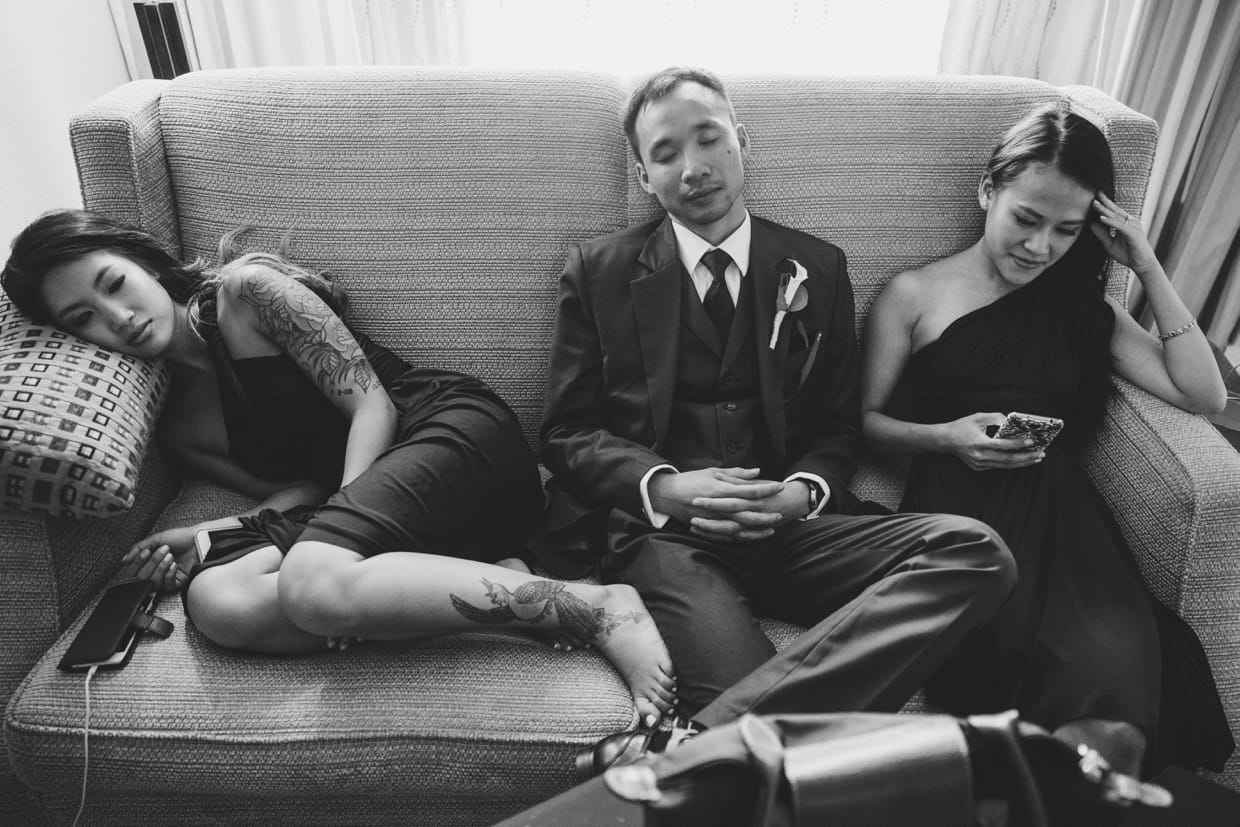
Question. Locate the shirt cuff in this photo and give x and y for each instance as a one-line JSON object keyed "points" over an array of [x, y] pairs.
{"points": [[657, 519], [824, 492]]}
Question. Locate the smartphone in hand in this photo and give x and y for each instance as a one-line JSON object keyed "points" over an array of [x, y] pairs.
{"points": [[1041, 429]]}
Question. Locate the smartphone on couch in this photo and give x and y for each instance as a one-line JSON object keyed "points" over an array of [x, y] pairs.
{"points": [[109, 636]]}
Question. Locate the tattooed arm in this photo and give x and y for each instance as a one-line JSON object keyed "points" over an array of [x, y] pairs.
{"points": [[264, 309]]}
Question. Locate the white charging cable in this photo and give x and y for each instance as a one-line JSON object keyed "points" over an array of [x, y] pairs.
{"points": [[85, 746]]}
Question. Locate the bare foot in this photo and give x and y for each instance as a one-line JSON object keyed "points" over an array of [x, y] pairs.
{"points": [[560, 639], [626, 634]]}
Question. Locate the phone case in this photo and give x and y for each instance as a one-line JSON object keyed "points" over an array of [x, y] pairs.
{"points": [[1041, 429], [113, 627]]}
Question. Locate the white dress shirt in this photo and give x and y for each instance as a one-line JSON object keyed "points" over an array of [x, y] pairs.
{"points": [[690, 247]]}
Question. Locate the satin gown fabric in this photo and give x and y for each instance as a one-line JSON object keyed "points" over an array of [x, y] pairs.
{"points": [[1080, 636]]}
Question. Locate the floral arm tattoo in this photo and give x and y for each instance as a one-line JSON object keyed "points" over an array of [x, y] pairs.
{"points": [[534, 601], [315, 336]]}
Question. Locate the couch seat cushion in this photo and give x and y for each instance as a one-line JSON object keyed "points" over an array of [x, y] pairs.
{"points": [[499, 716], [472, 727]]}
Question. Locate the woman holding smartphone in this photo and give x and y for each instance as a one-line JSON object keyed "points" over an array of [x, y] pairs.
{"points": [[1019, 322]]}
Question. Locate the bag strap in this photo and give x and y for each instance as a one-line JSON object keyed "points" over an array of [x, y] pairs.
{"points": [[766, 756], [1001, 730]]}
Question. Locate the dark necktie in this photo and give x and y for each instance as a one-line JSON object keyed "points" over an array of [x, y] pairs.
{"points": [[717, 301]]}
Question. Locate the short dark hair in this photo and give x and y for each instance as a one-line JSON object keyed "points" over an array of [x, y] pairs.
{"points": [[61, 236], [660, 84]]}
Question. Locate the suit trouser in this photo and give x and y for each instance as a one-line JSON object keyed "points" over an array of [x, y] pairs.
{"points": [[886, 599]]}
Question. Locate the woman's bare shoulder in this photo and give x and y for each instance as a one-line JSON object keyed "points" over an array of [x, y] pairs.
{"points": [[923, 284], [910, 288]]}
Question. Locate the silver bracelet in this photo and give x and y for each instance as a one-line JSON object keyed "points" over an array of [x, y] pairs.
{"points": [[1184, 328]]}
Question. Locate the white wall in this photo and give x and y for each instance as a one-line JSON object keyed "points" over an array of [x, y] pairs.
{"points": [[55, 56]]}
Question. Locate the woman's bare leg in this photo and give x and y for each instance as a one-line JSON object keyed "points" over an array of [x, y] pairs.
{"points": [[237, 605], [333, 592], [1122, 744], [559, 639]]}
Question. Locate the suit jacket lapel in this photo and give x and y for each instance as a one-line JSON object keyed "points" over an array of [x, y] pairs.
{"points": [[656, 306], [764, 256]]}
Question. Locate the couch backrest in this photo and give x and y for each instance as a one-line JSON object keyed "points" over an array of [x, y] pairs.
{"points": [[444, 201], [887, 167]]}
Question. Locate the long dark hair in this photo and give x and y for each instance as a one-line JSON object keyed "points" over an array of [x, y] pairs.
{"points": [[62, 236], [1053, 135]]}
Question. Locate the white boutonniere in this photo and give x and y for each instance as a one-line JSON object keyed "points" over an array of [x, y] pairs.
{"points": [[792, 296]]}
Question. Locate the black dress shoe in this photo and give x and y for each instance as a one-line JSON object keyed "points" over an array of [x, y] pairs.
{"points": [[625, 747], [616, 749]]}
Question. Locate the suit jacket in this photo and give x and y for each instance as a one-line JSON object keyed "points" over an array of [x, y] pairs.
{"points": [[613, 373]]}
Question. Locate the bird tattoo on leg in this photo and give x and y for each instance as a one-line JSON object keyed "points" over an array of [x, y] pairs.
{"points": [[535, 601]]}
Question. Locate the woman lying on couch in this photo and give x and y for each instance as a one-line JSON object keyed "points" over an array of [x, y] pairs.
{"points": [[430, 479]]}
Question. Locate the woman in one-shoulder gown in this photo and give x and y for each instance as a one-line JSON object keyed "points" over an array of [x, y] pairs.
{"points": [[1019, 323]]}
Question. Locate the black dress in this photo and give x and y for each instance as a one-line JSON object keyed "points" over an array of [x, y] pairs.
{"points": [[459, 478], [1081, 636]]}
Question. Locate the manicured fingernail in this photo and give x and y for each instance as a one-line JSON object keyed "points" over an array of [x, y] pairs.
{"points": [[651, 720]]}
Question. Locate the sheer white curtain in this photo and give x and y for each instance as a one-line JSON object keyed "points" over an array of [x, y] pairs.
{"points": [[1058, 42], [1174, 61], [633, 37], [233, 33], [773, 36], [1188, 82]]}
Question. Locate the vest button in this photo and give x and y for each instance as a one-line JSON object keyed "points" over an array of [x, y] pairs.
{"points": [[732, 447]]}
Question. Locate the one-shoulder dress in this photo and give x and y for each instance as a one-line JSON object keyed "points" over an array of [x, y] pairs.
{"points": [[459, 478], [1081, 636]]}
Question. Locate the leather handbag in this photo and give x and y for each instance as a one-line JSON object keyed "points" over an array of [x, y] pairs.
{"points": [[862, 770]]}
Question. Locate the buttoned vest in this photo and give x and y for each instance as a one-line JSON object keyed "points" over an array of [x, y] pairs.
{"points": [[717, 407]]}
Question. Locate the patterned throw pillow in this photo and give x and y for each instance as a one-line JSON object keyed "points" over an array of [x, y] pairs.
{"points": [[75, 420]]}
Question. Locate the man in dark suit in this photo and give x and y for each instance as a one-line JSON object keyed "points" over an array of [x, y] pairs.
{"points": [[702, 424]]}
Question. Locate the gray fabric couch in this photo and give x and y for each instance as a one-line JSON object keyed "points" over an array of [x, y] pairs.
{"points": [[444, 202]]}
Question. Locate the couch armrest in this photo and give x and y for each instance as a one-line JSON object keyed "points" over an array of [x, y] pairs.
{"points": [[118, 145], [1173, 484], [51, 569]]}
